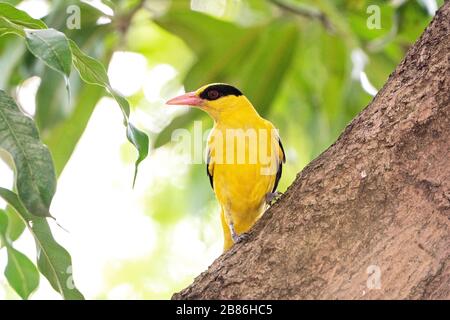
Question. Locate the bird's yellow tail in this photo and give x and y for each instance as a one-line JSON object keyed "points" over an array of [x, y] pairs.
{"points": [[227, 240], [242, 225]]}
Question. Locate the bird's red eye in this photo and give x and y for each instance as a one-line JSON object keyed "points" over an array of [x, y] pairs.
{"points": [[213, 94]]}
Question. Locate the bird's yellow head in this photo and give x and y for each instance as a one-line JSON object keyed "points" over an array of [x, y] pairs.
{"points": [[215, 98]]}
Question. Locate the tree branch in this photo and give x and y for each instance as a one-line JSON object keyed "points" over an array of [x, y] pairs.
{"points": [[306, 12], [124, 22]]}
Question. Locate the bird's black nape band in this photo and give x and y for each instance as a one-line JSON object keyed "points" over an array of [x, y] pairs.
{"points": [[215, 91]]}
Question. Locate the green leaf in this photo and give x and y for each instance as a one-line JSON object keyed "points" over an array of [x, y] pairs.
{"points": [[52, 105], [224, 62], [7, 26], [3, 228], [269, 64], [35, 178], [140, 140], [54, 262], [15, 224], [123, 103], [20, 272], [11, 54], [219, 56], [93, 72], [198, 30], [52, 47], [20, 17]]}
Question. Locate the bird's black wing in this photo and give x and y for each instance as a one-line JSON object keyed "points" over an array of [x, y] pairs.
{"points": [[280, 166], [209, 168]]}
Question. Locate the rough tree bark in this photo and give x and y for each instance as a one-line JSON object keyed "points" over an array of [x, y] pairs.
{"points": [[379, 196]]}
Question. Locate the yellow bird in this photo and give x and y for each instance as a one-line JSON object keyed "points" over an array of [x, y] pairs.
{"points": [[244, 157]]}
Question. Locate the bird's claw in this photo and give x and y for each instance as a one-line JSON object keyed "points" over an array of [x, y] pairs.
{"points": [[271, 196], [239, 237]]}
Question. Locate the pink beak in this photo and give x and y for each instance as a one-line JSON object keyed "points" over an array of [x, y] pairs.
{"points": [[189, 98]]}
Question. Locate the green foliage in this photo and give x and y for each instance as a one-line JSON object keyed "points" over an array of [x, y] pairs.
{"points": [[36, 181], [53, 261], [19, 17], [93, 72], [7, 26], [235, 57], [36, 184], [20, 272], [275, 50], [52, 47], [16, 226], [35, 173], [90, 69]]}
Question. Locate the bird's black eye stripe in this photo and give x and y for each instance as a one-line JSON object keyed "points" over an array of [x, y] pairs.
{"points": [[215, 91]]}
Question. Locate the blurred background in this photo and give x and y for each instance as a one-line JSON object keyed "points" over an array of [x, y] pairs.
{"points": [[308, 66]]}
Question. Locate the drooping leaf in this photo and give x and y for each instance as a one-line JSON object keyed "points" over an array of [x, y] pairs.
{"points": [[52, 47], [60, 121], [21, 273], [35, 178], [140, 140], [54, 262], [123, 103], [137, 137], [20, 17], [93, 72]]}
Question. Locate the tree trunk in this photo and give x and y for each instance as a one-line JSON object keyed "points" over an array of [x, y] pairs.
{"points": [[370, 217]]}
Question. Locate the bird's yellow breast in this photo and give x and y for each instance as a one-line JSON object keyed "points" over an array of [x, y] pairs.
{"points": [[244, 156]]}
